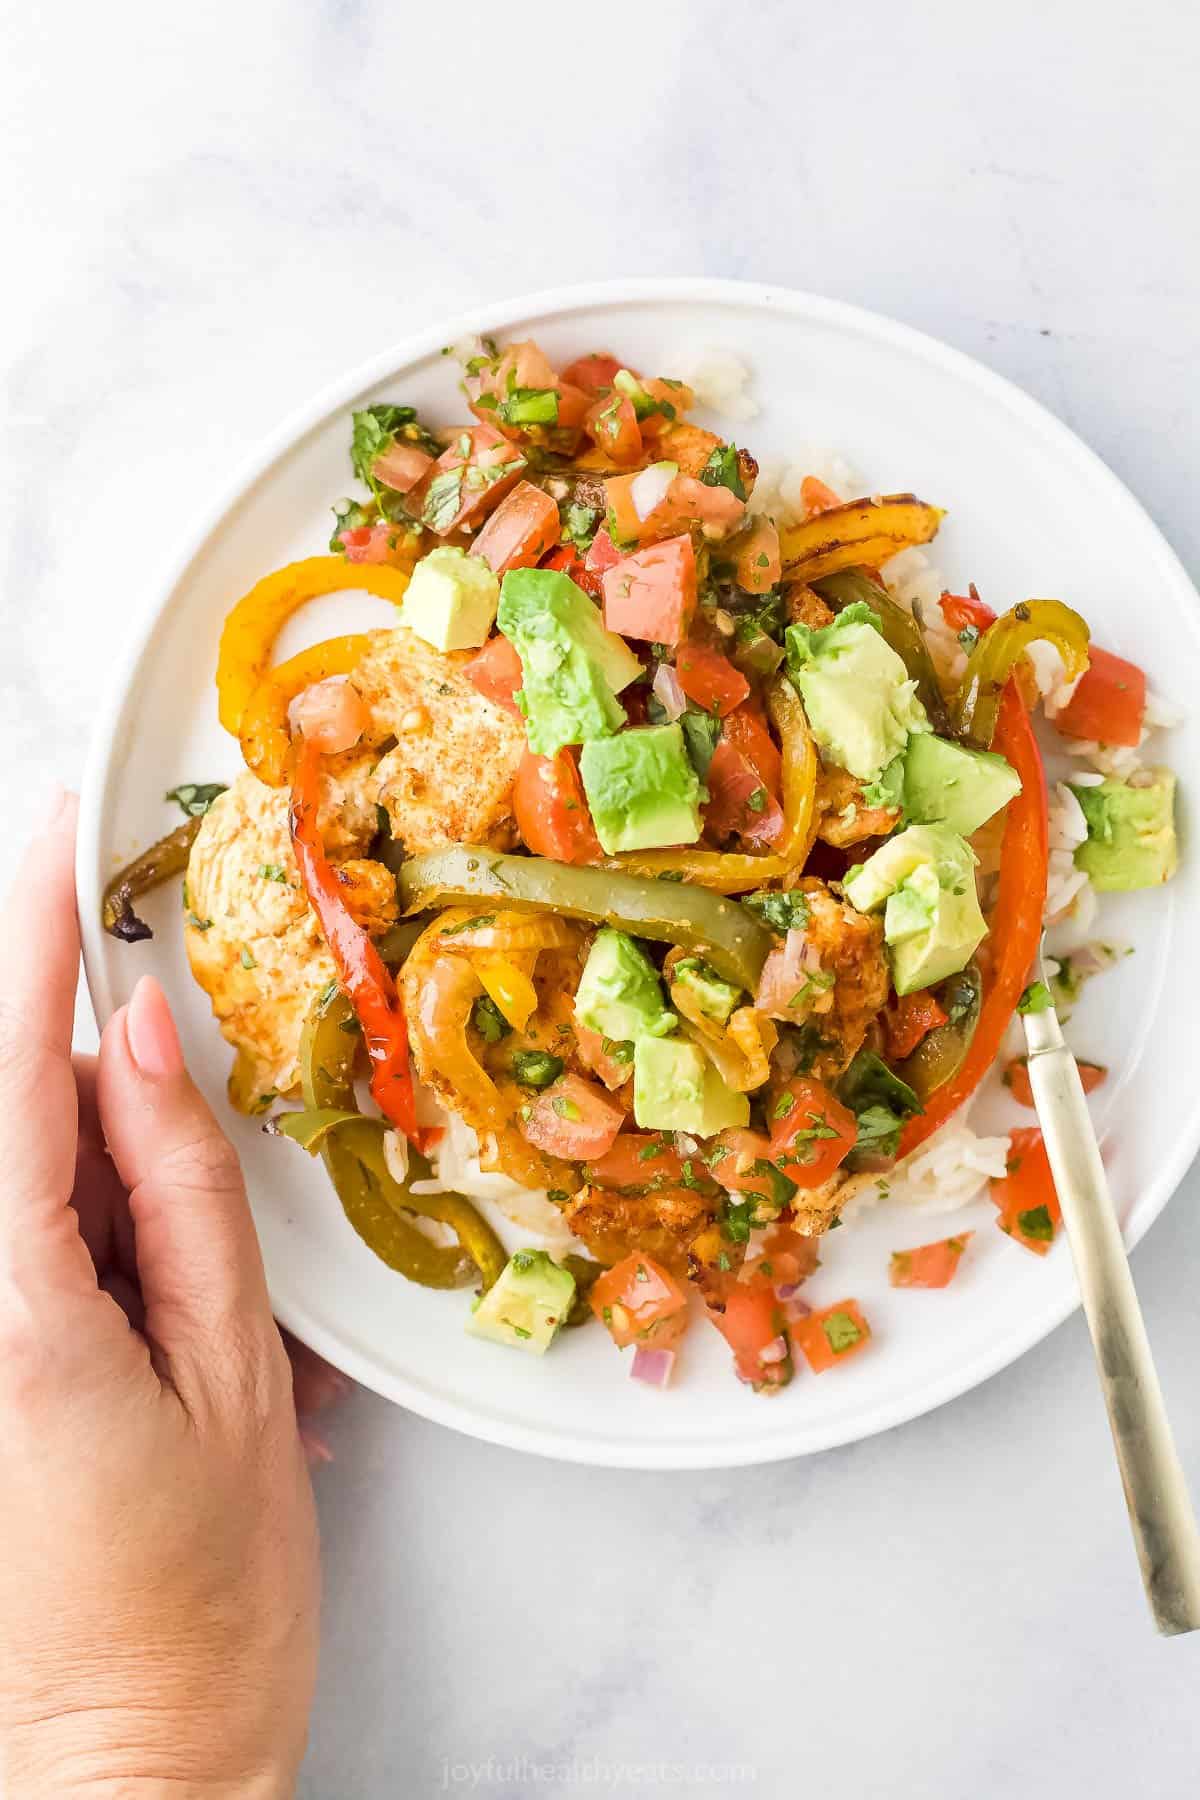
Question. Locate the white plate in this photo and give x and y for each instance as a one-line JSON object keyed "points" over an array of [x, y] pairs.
{"points": [[1031, 511]]}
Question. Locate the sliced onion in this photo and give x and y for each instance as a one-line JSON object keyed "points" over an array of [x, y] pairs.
{"points": [[652, 1366], [775, 1352], [667, 691], [649, 489]]}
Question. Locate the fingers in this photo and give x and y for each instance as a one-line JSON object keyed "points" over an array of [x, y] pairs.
{"points": [[315, 1383], [41, 1251], [197, 1254]]}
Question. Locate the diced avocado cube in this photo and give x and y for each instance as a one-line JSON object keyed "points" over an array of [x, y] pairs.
{"points": [[715, 998], [620, 994], [527, 1304], [1131, 841], [949, 784], [676, 1088], [642, 789], [860, 701], [924, 880], [451, 600], [572, 669]]}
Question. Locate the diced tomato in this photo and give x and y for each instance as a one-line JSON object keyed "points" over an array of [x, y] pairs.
{"points": [[638, 1159], [593, 373], [748, 732], [671, 400], [401, 465], [1016, 1079], [373, 544], [614, 1071], [756, 564], [551, 811], [568, 559], [652, 594], [710, 679], [752, 1324], [741, 1161], [573, 1118], [496, 672], [687, 505], [812, 1133], [522, 529], [640, 1302], [331, 713], [929, 1265], [739, 803], [908, 1019], [468, 480], [602, 553], [832, 1336], [963, 612], [816, 496], [786, 1258], [1109, 703], [1026, 1195], [612, 425]]}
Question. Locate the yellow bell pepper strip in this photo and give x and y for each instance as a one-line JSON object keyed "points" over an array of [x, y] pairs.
{"points": [[352, 1149], [259, 616], [508, 987], [900, 629], [732, 872], [725, 934], [265, 739], [995, 656], [861, 533], [169, 856]]}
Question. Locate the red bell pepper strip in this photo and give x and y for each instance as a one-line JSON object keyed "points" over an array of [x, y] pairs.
{"points": [[1016, 923], [367, 982]]}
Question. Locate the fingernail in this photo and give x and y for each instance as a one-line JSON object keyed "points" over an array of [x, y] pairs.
{"points": [[150, 1029]]}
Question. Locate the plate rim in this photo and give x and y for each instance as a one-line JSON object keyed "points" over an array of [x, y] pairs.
{"points": [[152, 615]]}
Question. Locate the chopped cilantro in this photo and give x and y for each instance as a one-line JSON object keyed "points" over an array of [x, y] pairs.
{"points": [[272, 872], [565, 1107], [1036, 998], [197, 924], [1037, 1224], [757, 801], [246, 959], [469, 925], [536, 1068], [721, 470], [529, 406], [195, 798], [700, 733], [488, 1020], [557, 1196], [782, 912], [579, 526]]}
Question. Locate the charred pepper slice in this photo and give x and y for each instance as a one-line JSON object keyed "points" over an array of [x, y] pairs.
{"points": [[716, 928], [991, 662], [168, 857]]}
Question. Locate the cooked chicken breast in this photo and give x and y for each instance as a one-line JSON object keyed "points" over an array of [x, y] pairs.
{"points": [[843, 816], [850, 946], [660, 1224], [449, 779], [252, 940]]}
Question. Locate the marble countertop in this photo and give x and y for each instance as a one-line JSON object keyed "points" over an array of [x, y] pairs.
{"points": [[211, 211]]}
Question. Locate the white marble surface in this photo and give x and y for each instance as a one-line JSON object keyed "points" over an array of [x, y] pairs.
{"points": [[210, 210]]}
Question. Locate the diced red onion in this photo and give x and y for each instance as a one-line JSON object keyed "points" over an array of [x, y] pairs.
{"points": [[649, 489], [775, 1352], [667, 691], [652, 1366], [786, 1290], [793, 1309]]}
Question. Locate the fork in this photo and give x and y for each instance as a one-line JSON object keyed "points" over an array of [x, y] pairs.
{"points": [[1160, 1510]]}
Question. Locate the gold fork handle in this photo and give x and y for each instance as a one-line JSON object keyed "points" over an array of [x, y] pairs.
{"points": [[1160, 1509]]}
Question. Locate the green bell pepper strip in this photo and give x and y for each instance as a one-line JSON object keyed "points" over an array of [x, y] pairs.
{"points": [[169, 856], [352, 1149], [991, 662], [901, 630], [692, 917], [398, 940], [941, 1053]]}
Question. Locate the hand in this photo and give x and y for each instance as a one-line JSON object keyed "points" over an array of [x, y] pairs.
{"points": [[158, 1581]]}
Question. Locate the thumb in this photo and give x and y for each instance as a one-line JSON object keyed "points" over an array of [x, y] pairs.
{"points": [[198, 1259]]}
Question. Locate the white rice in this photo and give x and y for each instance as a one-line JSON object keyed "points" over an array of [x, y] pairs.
{"points": [[456, 1170], [720, 380], [777, 489], [1068, 829], [950, 1170]]}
